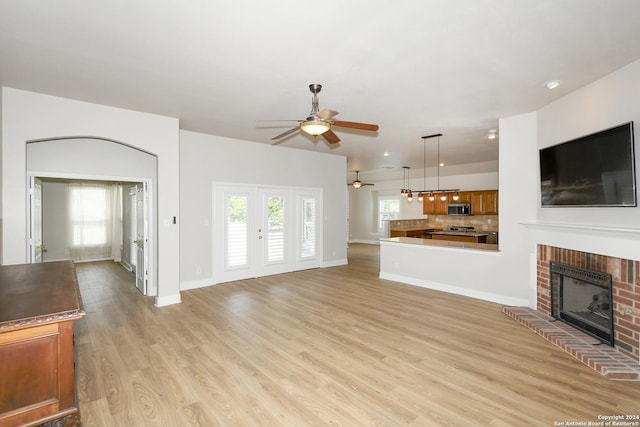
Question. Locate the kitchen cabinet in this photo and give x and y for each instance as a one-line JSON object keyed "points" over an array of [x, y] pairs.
{"points": [[476, 200], [461, 237], [490, 202], [484, 202], [38, 305], [437, 207], [464, 197]]}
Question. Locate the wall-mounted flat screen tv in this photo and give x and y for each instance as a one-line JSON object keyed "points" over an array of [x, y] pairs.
{"points": [[593, 170]]}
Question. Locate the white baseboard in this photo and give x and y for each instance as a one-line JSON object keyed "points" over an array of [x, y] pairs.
{"points": [[195, 284], [485, 296], [367, 242], [168, 300], [334, 263]]}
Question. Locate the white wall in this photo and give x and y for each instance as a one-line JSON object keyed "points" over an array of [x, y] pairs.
{"points": [[610, 101], [90, 156], [29, 116], [205, 159]]}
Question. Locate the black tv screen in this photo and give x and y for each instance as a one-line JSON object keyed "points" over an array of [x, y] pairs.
{"points": [[593, 170]]}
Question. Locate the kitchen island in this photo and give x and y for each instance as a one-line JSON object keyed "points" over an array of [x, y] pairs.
{"points": [[450, 244], [460, 236], [462, 268]]}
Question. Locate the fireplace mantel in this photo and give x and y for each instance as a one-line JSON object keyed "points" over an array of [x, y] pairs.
{"points": [[620, 242], [621, 232]]}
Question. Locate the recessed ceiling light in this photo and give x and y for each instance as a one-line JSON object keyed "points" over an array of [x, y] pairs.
{"points": [[441, 164], [386, 154], [552, 84]]}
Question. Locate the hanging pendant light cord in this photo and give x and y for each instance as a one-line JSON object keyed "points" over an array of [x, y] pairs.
{"points": [[438, 165]]}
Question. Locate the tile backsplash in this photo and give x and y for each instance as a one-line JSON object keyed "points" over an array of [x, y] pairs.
{"points": [[479, 222]]}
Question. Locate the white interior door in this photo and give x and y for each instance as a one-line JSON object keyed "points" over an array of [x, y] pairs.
{"points": [[36, 245], [141, 238]]}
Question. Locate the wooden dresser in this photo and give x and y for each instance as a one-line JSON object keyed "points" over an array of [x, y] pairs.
{"points": [[38, 305]]}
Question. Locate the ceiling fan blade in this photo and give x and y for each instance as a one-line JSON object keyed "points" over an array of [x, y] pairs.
{"points": [[285, 133], [326, 114], [331, 137], [354, 125], [280, 120]]}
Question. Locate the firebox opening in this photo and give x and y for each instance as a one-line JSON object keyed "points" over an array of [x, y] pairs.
{"points": [[582, 298]]}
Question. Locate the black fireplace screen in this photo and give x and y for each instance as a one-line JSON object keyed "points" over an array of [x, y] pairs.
{"points": [[582, 298]]}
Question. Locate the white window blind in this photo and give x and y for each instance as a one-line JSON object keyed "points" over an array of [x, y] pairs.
{"points": [[236, 230], [92, 217], [308, 235], [275, 229]]}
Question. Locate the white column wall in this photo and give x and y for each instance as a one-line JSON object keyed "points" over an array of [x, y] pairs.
{"points": [[29, 116]]}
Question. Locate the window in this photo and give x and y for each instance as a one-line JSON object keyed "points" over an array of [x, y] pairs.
{"points": [[91, 213], [388, 209]]}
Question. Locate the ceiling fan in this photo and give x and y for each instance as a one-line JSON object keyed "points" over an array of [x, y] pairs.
{"points": [[357, 183], [319, 122]]}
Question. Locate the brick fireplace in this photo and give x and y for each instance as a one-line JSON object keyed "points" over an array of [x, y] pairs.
{"points": [[625, 291], [619, 362]]}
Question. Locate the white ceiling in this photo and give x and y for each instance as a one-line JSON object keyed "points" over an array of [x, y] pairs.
{"points": [[415, 67]]}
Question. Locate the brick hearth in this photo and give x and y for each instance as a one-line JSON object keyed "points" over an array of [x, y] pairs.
{"points": [[619, 362], [607, 360]]}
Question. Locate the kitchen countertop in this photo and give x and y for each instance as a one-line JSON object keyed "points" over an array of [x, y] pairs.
{"points": [[461, 233], [442, 243], [412, 228]]}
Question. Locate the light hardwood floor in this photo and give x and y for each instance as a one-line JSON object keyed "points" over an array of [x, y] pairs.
{"points": [[334, 346]]}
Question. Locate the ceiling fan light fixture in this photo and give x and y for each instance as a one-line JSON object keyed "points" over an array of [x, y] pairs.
{"points": [[357, 184], [552, 84], [314, 126]]}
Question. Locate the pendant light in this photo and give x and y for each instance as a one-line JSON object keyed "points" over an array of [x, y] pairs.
{"points": [[443, 196], [409, 193], [403, 191], [432, 194], [424, 170]]}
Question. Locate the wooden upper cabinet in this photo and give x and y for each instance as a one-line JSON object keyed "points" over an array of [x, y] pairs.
{"points": [[483, 202], [437, 207], [465, 197], [476, 200], [490, 202]]}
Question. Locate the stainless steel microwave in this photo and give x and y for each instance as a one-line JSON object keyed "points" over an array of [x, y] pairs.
{"points": [[459, 209]]}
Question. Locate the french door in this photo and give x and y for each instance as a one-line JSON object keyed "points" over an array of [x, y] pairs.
{"points": [[259, 231]]}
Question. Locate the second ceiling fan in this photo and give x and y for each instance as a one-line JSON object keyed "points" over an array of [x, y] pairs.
{"points": [[319, 122], [357, 183]]}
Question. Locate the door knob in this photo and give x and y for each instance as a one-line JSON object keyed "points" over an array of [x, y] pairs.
{"points": [[43, 248]]}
